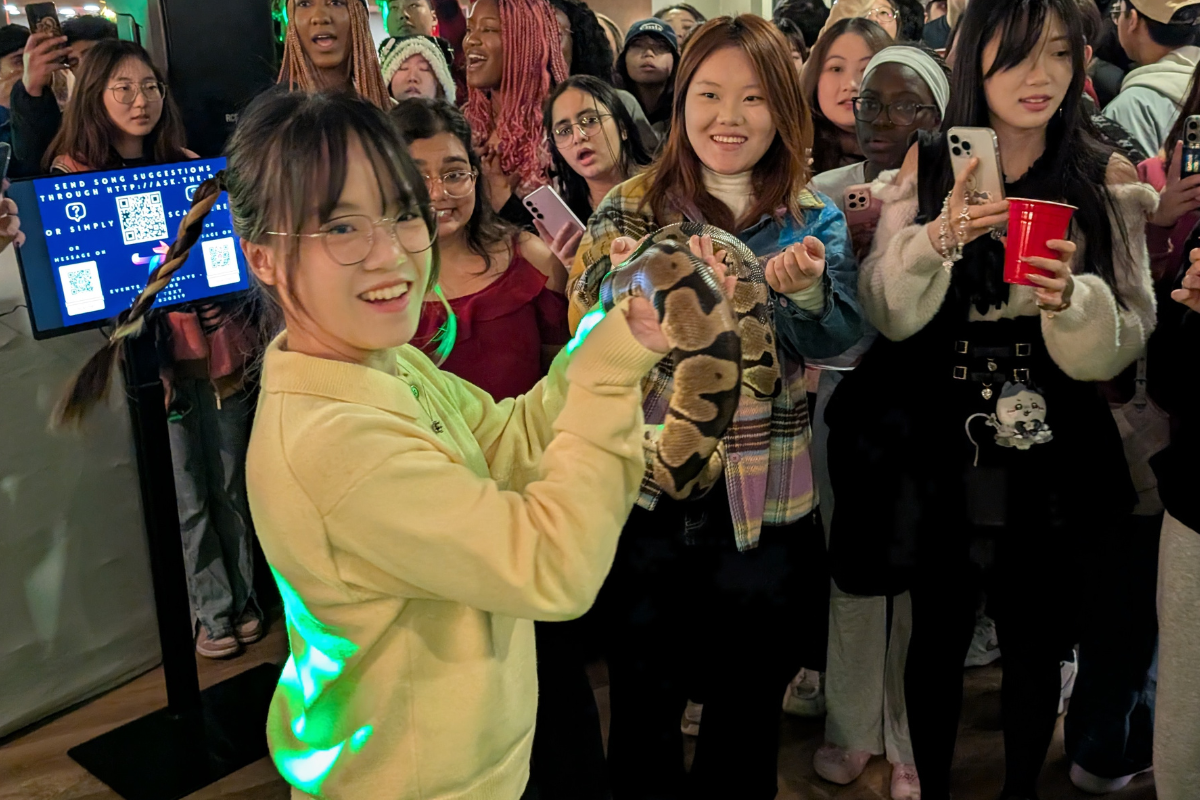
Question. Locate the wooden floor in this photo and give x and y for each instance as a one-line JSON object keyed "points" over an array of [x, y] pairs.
{"points": [[35, 766]]}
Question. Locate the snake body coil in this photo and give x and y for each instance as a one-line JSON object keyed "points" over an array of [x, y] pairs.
{"points": [[706, 346]]}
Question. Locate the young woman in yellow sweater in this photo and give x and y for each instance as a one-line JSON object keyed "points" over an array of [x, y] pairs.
{"points": [[415, 527]]}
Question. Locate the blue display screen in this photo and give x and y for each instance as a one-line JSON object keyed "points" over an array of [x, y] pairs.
{"points": [[94, 238]]}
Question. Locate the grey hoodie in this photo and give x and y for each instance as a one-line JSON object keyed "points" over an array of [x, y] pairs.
{"points": [[1151, 96]]}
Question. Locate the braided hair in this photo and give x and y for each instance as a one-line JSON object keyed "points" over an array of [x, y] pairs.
{"points": [[533, 63], [591, 54], [273, 181], [298, 73]]}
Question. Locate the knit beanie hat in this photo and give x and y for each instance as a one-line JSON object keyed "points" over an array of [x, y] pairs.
{"points": [[395, 52], [12, 39]]}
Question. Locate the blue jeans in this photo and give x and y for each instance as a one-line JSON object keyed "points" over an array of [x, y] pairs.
{"points": [[1110, 728], [208, 450]]}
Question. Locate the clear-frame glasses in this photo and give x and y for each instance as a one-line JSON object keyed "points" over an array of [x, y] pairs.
{"points": [[350, 239]]}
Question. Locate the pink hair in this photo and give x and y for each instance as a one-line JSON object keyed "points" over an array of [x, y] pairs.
{"points": [[533, 63]]}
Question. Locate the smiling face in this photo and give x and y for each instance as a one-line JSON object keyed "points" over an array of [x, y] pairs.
{"points": [[415, 78], [483, 46], [324, 30], [441, 155], [682, 22], [883, 141], [1028, 95], [591, 156], [410, 17], [649, 60], [344, 312], [728, 119], [139, 118], [841, 75]]}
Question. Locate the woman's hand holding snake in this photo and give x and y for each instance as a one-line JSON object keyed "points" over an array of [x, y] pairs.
{"points": [[798, 267]]}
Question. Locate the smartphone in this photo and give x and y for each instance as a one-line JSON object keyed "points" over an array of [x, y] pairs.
{"points": [[987, 181], [861, 207], [5, 158], [43, 18], [1191, 146], [550, 210]]}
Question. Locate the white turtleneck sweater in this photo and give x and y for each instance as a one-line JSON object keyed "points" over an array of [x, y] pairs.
{"points": [[737, 193]]}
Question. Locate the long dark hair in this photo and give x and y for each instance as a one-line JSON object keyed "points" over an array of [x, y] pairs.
{"points": [[422, 118], [632, 153], [1074, 165], [88, 134], [782, 173], [666, 101], [290, 152], [1190, 106], [591, 54], [826, 146]]}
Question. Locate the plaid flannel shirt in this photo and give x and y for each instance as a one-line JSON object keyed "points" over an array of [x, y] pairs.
{"points": [[768, 471]]}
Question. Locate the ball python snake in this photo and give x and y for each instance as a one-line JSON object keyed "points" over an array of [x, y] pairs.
{"points": [[720, 349]]}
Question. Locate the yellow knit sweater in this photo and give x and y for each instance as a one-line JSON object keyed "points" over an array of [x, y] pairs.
{"points": [[412, 562]]}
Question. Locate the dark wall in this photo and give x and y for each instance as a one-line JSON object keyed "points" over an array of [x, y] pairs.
{"points": [[221, 54]]}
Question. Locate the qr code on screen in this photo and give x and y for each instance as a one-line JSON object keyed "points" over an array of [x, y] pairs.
{"points": [[220, 261], [142, 218], [82, 292]]}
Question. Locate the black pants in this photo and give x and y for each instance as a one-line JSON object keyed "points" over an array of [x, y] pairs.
{"points": [[1110, 728], [703, 618], [568, 751], [1031, 587]]}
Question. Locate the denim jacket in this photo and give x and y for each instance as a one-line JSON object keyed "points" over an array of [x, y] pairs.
{"points": [[767, 469]]}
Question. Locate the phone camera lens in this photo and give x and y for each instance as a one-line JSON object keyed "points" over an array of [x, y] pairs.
{"points": [[1191, 137], [966, 145], [953, 139], [957, 151]]}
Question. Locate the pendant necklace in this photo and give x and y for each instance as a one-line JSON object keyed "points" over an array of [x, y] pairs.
{"points": [[423, 402]]}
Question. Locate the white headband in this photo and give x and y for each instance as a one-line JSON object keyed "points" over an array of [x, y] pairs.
{"points": [[921, 63]]}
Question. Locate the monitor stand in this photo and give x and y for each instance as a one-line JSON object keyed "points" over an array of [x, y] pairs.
{"points": [[200, 737]]}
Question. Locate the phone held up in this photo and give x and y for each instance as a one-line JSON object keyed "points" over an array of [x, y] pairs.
{"points": [[552, 211], [5, 159], [1191, 147], [43, 18], [986, 184]]}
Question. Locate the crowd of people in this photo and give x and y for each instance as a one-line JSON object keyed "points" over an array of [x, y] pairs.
{"points": [[441, 442]]}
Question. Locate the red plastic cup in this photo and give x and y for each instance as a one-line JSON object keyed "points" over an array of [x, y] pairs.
{"points": [[1032, 223]]}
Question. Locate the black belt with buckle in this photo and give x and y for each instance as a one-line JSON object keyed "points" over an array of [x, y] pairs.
{"points": [[991, 355]]}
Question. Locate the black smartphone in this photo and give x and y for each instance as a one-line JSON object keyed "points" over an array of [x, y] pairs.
{"points": [[1191, 147], [5, 158], [43, 18]]}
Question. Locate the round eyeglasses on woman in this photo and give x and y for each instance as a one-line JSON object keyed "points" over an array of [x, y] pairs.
{"points": [[454, 184], [901, 112], [126, 93], [349, 240], [564, 135], [880, 16]]}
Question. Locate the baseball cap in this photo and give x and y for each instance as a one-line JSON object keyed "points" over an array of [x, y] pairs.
{"points": [[1163, 10], [656, 27]]}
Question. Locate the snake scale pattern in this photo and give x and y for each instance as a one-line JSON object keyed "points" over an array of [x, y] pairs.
{"points": [[720, 349]]}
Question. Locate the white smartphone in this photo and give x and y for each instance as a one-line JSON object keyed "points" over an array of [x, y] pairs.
{"points": [[987, 181], [550, 210]]}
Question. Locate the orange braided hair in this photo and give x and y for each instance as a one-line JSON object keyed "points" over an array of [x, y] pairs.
{"points": [[533, 63], [366, 76]]}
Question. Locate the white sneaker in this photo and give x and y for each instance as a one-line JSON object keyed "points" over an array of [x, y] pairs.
{"points": [[1069, 670], [1094, 784], [839, 765], [690, 725], [905, 783], [805, 695], [985, 646]]}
